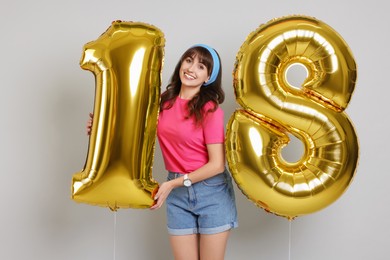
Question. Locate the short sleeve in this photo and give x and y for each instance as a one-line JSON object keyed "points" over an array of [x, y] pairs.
{"points": [[213, 127]]}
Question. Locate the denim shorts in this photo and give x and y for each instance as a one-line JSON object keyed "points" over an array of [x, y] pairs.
{"points": [[206, 207]]}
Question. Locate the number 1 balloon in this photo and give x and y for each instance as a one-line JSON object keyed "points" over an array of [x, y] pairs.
{"points": [[126, 60], [272, 108]]}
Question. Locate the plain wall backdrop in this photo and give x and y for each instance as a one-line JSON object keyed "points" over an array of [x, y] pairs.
{"points": [[46, 98]]}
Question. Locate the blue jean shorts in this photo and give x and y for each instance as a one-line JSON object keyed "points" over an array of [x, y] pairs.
{"points": [[206, 207]]}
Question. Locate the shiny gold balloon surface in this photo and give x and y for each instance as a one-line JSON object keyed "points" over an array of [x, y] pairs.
{"points": [[272, 109], [126, 61]]}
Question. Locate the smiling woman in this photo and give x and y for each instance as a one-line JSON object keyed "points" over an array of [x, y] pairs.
{"points": [[199, 194]]}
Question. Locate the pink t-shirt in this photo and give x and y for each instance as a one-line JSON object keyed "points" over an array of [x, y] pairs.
{"points": [[182, 143]]}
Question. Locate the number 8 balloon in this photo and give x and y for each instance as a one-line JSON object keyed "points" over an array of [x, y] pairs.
{"points": [[126, 60], [272, 108]]}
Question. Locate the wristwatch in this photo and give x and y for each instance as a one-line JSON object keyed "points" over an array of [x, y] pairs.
{"points": [[187, 182]]}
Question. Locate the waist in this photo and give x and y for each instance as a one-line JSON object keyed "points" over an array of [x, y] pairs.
{"points": [[225, 174]]}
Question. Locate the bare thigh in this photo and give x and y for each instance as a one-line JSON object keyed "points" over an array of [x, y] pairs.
{"points": [[213, 247], [185, 247]]}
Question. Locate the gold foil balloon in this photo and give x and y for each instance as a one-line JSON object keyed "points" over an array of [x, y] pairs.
{"points": [[272, 109], [126, 61]]}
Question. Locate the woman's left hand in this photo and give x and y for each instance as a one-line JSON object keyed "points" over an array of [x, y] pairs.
{"points": [[162, 194]]}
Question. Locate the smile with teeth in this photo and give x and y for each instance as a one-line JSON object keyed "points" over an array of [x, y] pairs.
{"points": [[189, 76]]}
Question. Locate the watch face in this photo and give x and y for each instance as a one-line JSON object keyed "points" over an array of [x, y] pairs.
{"points": [[187, 183]]}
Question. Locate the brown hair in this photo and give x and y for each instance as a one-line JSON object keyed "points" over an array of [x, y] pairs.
{"points": [[212, 92]]}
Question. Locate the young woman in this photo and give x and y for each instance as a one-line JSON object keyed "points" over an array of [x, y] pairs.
{"points": [[199, 194], [201, 207]]}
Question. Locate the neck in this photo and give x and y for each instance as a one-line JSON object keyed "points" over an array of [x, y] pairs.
{"points": [[188, 93]]}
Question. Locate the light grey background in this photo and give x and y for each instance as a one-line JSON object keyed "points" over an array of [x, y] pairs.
{"points": [[46, 98]]}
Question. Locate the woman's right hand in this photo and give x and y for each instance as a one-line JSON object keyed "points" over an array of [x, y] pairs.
{"points": [[162, 194], [89, 124]]}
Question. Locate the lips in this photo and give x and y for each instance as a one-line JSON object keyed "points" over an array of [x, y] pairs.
{"points": [[189, 76]]}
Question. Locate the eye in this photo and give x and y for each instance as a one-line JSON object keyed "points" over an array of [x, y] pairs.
{"points": [[202, 66], [188, 60]]}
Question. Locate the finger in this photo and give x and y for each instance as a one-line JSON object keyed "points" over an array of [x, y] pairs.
{"points": [[157, 195], [155, 206], [160, 200]]}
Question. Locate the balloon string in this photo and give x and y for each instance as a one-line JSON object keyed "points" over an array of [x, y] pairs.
{"points": [[114, 233], [289, 239]]}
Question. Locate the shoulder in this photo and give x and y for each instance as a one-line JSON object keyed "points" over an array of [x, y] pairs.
{"points": [[210, 106], [212, 110]]}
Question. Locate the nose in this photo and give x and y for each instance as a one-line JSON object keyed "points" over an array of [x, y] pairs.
{"points": [[191, 67]]}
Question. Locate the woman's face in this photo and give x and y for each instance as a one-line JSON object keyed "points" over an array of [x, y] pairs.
{"points": [[193, 72]]}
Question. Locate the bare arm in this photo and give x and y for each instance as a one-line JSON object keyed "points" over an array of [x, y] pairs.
{"points": [[89, 124], [214, 166]]}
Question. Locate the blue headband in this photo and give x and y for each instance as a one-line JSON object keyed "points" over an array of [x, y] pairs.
{"points": [[216, 65]]}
